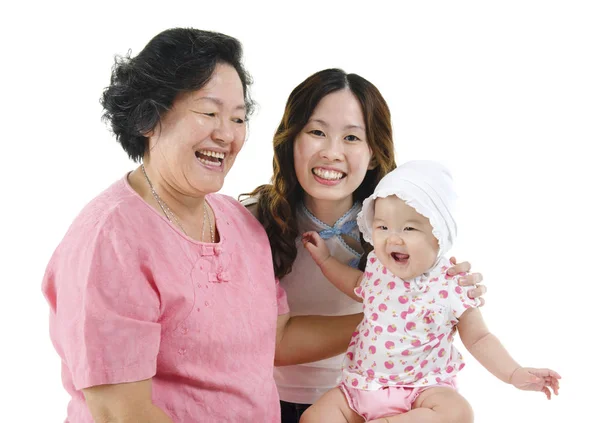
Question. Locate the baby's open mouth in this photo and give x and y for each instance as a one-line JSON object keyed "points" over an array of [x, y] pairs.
{"points": [[399, 257]]}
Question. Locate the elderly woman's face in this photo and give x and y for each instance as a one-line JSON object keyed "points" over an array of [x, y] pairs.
{"points": [[197, 141]]}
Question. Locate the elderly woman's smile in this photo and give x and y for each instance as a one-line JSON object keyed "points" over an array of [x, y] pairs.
{"points": [[212, 159]]}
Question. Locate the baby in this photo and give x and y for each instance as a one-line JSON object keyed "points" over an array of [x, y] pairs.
{"points": [[401, 361]]}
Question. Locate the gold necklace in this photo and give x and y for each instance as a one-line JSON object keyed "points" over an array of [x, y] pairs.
{"points": [[169, 213]]}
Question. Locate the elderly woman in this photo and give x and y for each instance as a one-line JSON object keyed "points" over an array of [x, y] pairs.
{"points": [[164, 305]]}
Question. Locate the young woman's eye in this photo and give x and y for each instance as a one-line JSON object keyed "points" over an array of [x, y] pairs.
{"points": [[316, 132], [409, 228], [382, 227], [352, 138]]}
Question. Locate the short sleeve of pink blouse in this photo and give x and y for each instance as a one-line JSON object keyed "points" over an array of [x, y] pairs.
{"points": [[109, 331]]}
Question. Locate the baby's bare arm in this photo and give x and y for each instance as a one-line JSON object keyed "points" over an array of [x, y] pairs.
{"points": [[484, 346], [344, 277], [488, 350]]}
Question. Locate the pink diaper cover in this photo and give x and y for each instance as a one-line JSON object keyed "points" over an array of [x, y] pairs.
{"points": [[387, 401]]}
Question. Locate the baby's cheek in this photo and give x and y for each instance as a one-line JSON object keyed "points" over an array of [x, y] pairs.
{"points": [[380, 254]]}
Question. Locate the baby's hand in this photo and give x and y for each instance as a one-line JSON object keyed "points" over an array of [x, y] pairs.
{"points": [[316, 247], [529, 379]]}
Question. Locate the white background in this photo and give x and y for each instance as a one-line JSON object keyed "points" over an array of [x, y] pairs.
{"points": [[505, 93]]}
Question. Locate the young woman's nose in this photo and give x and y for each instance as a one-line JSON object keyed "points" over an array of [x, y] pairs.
{"points": [[332, 150]]}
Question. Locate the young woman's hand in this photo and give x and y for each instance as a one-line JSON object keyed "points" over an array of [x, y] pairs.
{"points": [[468, 279], [315, 245]]}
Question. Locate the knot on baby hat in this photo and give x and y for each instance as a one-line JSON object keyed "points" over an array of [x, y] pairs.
{"points": [[425, 185]]}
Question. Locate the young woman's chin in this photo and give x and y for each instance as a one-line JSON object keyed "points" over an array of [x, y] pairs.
{"points": [[330, 195]]}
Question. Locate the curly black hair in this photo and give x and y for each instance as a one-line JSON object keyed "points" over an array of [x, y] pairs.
{"points": [[143, 88]]}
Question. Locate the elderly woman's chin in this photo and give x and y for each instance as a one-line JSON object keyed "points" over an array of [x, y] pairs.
{"points": [[210, 178]]}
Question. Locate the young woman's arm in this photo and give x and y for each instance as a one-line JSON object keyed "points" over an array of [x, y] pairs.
{"points": [[304, 339]]}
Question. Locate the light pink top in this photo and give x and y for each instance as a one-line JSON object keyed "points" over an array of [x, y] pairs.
{"points": [[133, 298], [405, 337]]}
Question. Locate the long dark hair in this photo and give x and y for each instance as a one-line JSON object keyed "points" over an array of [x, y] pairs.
{"points": [[278, 201]]}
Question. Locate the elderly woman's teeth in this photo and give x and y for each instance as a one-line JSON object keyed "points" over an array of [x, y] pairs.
{"points": [[210, 158]]}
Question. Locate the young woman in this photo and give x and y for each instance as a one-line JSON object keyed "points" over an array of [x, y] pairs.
{"points": [[332, 147]]}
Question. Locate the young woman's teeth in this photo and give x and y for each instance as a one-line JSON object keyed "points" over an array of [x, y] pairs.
{"points": [[331, 175], [210, 158]]}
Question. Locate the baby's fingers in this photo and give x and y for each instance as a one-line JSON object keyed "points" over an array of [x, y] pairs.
{"points": [[553, 383], [545, 373], [309, 237], [547, 392]]}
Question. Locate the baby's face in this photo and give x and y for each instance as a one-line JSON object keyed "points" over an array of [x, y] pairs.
{"points": [[403, 239]]}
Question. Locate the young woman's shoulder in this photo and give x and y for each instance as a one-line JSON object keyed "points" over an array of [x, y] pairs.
{"points": [[251, 204], [243, 212]]}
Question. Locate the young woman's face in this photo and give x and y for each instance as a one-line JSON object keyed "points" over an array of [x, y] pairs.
{"points": [[331, 153], [199, 138]]}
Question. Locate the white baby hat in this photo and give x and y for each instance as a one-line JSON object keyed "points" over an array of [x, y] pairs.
{"points": [[425, 185]]}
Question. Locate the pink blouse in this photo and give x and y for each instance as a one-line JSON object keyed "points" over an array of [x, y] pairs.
{"points": [[132, 298]]}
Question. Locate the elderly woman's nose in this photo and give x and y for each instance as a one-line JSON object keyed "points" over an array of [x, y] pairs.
{"points": [[224, 131]]}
